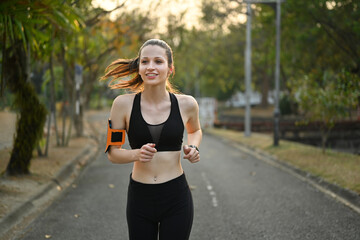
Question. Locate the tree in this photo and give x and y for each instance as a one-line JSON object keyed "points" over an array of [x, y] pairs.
{"points": [[208, 57], [326, 97], [23, 28], [103, 40]]}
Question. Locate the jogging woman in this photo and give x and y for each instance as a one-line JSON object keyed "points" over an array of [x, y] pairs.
{"points": [[159, 204]]}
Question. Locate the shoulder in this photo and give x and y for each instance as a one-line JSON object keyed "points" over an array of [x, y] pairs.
{"points": [[120, 110], [122, 104], [187, 102], [123, 100]]}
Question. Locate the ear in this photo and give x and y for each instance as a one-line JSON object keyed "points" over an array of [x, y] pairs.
{"points": [[170, 71]]}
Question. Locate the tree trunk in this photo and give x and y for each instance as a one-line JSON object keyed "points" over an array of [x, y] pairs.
{"points": [[265, 90], [48, 136], [78, 121], [323, 141], [65, 110], [78, 116], [71, 96], [53, 99], [325, 131], [89, 87], [32, 114], [266, 81], [358, 109]]}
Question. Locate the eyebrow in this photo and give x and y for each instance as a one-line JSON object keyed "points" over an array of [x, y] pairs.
{"points": [[154, 57]]}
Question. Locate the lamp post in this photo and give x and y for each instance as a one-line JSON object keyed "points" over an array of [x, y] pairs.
{"points": [[277, 75], [277, 65], [248, 73]]}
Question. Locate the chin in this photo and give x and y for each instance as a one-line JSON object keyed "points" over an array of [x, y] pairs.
{"points": [[154, 82]]}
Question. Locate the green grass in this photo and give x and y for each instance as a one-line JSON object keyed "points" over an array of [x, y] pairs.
{"points": [[342, 169], [255, 111]]}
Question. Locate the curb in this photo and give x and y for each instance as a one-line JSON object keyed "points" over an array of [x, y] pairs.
{"points": [[345, 196], [18, 218]]}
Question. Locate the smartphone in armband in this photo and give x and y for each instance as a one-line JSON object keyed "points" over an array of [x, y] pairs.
{"points": [[115, 137]]}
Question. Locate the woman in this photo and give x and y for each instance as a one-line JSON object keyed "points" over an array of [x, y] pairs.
{"points": [[159, 199]]}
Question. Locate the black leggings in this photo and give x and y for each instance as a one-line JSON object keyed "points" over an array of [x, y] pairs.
{"points": [[165, 210]]}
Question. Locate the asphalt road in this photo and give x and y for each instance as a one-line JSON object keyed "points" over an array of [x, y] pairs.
{"points": [[236, 196]]}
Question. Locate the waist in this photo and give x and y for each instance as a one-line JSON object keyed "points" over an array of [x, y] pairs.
{"points": [[163, 167], [175, 183]]}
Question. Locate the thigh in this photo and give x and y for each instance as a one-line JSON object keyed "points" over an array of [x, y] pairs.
{"points": [[142, 224], [177, 225], [141, 228]]}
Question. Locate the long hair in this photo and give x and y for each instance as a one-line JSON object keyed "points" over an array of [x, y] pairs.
{"points": [[126, 71]]}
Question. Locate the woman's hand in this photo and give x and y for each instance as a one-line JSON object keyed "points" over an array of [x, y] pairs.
{"points": [[147, 152], [191, 154]]}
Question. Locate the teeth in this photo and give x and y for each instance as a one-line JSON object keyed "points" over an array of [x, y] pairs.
{"points": [[152, 75]]}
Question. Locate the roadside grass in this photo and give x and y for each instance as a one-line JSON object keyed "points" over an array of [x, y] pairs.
{"points": [[267, 112], [342, 169], [256, 111]]}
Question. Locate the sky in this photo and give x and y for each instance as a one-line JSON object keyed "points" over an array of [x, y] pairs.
{"points": [[166, 6]]}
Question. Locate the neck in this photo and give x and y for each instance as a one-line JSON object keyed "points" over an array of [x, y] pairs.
{"points": [[155, 94]]}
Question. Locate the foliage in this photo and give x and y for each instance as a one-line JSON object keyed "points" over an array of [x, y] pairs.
{"points": [[103, 42], [287, 105], [24, 27], [208, 61], [328, 97], [320, 56], [59, 34], [30, 21]]}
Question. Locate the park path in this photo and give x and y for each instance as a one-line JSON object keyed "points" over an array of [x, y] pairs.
{"points": [[236, 196]]}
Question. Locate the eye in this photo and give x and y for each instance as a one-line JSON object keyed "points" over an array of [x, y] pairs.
{"points": [[158, 61], [144, 61]]}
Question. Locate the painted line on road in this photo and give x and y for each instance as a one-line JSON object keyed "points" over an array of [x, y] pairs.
{"points": [[288, 170], [211, 190]]}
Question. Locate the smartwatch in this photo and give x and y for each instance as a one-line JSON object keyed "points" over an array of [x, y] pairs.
{"points": [[193, 146]]}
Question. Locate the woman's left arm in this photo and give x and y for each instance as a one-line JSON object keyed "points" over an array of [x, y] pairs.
{"points": [[193, 129]]}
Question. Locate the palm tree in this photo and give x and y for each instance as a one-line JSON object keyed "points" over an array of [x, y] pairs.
{"points": [[26, 29]]}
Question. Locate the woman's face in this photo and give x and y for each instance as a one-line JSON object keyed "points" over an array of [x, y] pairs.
{"points": [[153, 67]]}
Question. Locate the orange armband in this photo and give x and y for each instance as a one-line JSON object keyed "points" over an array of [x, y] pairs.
{"points": [[115, 137]]}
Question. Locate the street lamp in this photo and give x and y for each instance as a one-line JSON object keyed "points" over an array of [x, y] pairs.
{"points": [[247, 126], [277, 68]]}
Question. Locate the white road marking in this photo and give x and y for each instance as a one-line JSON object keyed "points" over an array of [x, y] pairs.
{"points": [[210, 189]]}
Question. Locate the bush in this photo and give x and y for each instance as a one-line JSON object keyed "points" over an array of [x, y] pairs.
{"points": [[287, 105]]}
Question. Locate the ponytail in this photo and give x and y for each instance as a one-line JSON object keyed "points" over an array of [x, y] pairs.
{"points": [[124, 68]]}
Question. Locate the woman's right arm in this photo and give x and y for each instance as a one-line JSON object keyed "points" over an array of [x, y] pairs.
{"points": [[120, 109]]}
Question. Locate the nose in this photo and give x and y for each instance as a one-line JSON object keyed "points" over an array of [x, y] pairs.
{"points": [[151, 65]]}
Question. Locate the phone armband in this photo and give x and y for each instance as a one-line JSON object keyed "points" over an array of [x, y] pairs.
{"points": [[115, 137]]}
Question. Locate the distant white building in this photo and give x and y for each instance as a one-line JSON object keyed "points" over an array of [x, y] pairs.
{"points": [[239, 99], [207, 111]]}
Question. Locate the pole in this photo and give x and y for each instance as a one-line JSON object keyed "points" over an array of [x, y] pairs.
{"points": [[277, 75], [277, 68], [248, 72]]}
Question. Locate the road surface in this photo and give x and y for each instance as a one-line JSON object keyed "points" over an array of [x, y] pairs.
{"points": [[236, 196]]}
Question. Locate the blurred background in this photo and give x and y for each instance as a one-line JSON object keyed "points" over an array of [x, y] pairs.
{"points": [[53, 53]]}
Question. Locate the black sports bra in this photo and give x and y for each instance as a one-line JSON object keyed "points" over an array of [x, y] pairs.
{"points": [[167, 136]]}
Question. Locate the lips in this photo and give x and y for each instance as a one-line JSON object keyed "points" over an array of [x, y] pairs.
{"points": [[151, 75]]}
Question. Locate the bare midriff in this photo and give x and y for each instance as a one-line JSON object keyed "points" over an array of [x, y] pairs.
{"points": [[164, 167]]}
